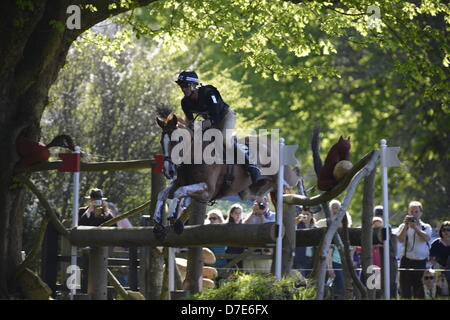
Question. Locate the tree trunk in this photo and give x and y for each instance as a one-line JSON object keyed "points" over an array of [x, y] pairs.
{"points": [[32, 52]]}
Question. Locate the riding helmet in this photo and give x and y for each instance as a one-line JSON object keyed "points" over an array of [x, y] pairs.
{"points": [[187, 77]]}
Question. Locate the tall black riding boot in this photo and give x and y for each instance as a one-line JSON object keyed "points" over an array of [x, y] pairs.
{"points": [[252, 169], [254, 172]]}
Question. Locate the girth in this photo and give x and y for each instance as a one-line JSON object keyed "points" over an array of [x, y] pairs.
{"points": [[227, 182]]}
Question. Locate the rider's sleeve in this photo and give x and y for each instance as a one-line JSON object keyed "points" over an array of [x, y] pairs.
{"points": [[189, 115]]}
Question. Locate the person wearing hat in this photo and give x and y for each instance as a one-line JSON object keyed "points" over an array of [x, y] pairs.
{"points": [[207, 102], [97, 212]]}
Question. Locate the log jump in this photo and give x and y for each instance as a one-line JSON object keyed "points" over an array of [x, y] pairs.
{"points": [[258, 235], [193, 236]]}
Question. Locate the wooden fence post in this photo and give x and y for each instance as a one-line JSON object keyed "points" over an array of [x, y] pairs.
{"points": [[133, 269], [289, 239], [194, 279], [98, 277], [50, 258]]}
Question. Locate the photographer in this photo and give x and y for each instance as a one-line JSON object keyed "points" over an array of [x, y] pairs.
{"points": [[414, 234], [303, 259], [97, 212], [260, 212], [262, 260]]}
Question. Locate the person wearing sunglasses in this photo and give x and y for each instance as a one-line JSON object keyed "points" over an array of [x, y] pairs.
{"points": [[215, 216], [207, 102], [440, 250], [429, 284]]}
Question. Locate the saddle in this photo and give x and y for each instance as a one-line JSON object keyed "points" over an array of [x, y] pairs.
{"points": [[229, 175]]}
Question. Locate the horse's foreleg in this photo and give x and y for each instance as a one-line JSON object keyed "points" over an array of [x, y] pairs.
{"points": [[162, 197], [173, 208]]}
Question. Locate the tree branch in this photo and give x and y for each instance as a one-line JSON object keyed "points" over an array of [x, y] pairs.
{"points": [[126, 215], [333, 193], [332, 228], [50, 212]]}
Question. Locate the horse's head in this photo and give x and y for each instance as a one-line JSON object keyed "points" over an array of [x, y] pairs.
{"points": [[168, 126]]}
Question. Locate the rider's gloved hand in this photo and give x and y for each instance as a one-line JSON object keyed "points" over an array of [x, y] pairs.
{"points": [[206, 124]]}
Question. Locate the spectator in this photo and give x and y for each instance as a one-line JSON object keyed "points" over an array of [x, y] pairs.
{"points": [[377, 222], [235, 217], [430, 285], [442, 284], [97, 212], [334, 206], [124, 223], [335, 272], [215, 216], [334, 262], [260, 214], [235, 214], [378, 212], [303, 258], [414, 234], [440, 250]]}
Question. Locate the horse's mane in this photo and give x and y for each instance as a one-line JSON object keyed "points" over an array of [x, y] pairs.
{"points": [[182, 123]]}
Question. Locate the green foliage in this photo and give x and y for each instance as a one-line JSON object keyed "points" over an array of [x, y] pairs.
{"points": [[258, 286], [58, 25], [25, 5], [106, 97], [360, 77]]}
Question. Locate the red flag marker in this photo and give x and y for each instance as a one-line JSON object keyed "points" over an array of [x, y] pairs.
{"points": [[159, 168], [71, 162]]}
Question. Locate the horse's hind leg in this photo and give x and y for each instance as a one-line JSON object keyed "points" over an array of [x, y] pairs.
{"points": [[174, 207], [197, 191]]}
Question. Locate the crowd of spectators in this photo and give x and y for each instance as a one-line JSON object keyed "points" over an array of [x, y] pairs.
{"points": [[423, 263]]}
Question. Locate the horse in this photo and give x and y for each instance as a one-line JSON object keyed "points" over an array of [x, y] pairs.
{"points": [[204, 182]]}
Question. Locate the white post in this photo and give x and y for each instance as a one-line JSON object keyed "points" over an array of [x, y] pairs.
{"points": [[76, 192], [386, 251], [171, 270], [279, 208]]}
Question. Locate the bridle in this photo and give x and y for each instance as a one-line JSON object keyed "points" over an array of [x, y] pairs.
{"points": [[168, 163]]}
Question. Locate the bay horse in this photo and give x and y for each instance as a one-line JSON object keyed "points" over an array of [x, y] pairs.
{"points": [[204, 182]]}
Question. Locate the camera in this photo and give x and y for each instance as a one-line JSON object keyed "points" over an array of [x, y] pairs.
{"points": [[303, 217], [98, 203], [261, 205], [411, 219]]}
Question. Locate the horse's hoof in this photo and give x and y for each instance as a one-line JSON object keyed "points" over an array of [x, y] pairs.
{"points": [[178, 226], [160, 232]]}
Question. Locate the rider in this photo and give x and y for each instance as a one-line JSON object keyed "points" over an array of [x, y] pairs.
{"points": [[207, 102]]}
